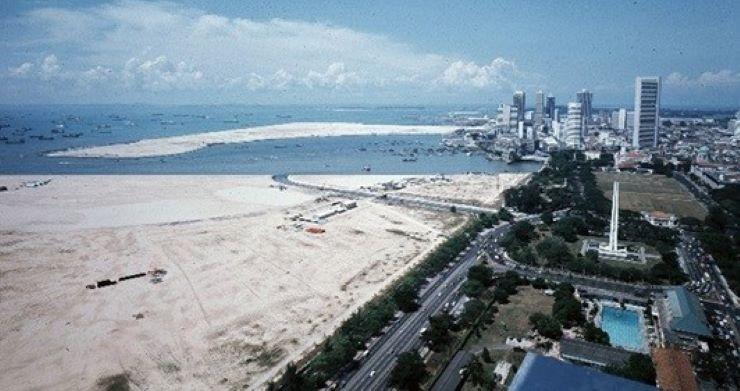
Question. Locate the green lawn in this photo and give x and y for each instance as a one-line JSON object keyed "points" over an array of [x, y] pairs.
{"points": [[644, 192], [512, 320]]}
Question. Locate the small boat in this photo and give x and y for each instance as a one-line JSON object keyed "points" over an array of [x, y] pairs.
{"points": [[72, 135]]}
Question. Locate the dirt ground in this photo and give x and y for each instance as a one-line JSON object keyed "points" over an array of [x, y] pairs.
{"points": [[642, 192], [245, 291]]}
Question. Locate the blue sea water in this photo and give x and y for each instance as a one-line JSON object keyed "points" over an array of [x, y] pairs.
{"points": [[108, 124], [623, 327]]}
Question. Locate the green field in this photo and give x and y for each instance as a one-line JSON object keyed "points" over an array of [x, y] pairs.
{"points": [[643, 192], [512, 319]]}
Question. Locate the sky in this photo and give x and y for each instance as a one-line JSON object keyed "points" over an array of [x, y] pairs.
{"points": [[360, 52]]}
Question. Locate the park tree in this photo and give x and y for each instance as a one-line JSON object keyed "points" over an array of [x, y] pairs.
{"points": [[409, 372], [554, 250], [567, 311], [473, 288], [405, 296], [594, 334], [505, 215], [477, 375], [437, 335], [292, 380], [481, 273], [638, 367], [546, 325], [471, 311], [486, 355]]}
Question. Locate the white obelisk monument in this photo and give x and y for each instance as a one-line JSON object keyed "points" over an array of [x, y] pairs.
{"points": [[614, 227]]}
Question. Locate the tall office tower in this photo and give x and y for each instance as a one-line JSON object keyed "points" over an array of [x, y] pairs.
{"points": [[573, 126], [647, 110], [622, 119], [584, 98], [539, 107], [520, 103], [550, 106]]}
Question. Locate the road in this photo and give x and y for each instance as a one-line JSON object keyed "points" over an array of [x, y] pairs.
{"points": [[375, 369], [451, 377], [390, 198]]}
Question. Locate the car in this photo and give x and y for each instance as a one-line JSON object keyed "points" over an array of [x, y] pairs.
{"points": [[372, 373]]}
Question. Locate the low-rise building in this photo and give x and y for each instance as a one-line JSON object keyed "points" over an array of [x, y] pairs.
{"points": [[673, 370], [682, 318], [660, 219], [593, 354]]}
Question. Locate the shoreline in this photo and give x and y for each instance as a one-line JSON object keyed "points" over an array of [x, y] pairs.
{"points": [[174, 145]]}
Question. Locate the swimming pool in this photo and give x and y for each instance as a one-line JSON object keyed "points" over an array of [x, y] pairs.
{"points": [[623, 326]]}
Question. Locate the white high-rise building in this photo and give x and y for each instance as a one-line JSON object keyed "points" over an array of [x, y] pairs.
{"points": [[539, 108], [573, 134], [622, 119], [647, 110], [519, 100], [506, 117]]}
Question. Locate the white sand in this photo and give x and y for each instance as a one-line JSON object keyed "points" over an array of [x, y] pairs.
{"points": [[244, 293], [188, 143]]}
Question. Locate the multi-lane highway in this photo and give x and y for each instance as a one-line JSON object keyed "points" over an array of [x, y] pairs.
{"points": [[375, 369], [390, 198]]}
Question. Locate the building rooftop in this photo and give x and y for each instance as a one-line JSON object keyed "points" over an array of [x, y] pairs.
{"points": [[592, 353], [673, 370], [686, 312], [542, 373]]}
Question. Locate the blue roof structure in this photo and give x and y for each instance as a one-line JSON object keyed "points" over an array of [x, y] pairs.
{"points": [[542, 373], [687, 315]]}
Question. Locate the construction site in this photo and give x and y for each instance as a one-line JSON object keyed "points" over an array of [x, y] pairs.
{"points": [[189, 282]]}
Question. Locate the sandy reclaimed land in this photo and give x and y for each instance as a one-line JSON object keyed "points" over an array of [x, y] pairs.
{"points": [[245, 290], [180, 144], [473, 189]]}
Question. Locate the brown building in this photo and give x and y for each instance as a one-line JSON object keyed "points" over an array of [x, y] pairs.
{"points": [[673, 370]]}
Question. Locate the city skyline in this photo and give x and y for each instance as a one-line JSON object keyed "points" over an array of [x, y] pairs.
{"points": [[344, 53]]}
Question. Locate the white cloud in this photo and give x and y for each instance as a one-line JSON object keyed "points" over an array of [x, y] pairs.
{"points": [[335, 77], [499, 73], [720, 78], [160, 74], [49, 67], [160, 47], [21, 70]]}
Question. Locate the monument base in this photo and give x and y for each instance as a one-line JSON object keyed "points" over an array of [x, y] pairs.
{"points": [[620, 254]]}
